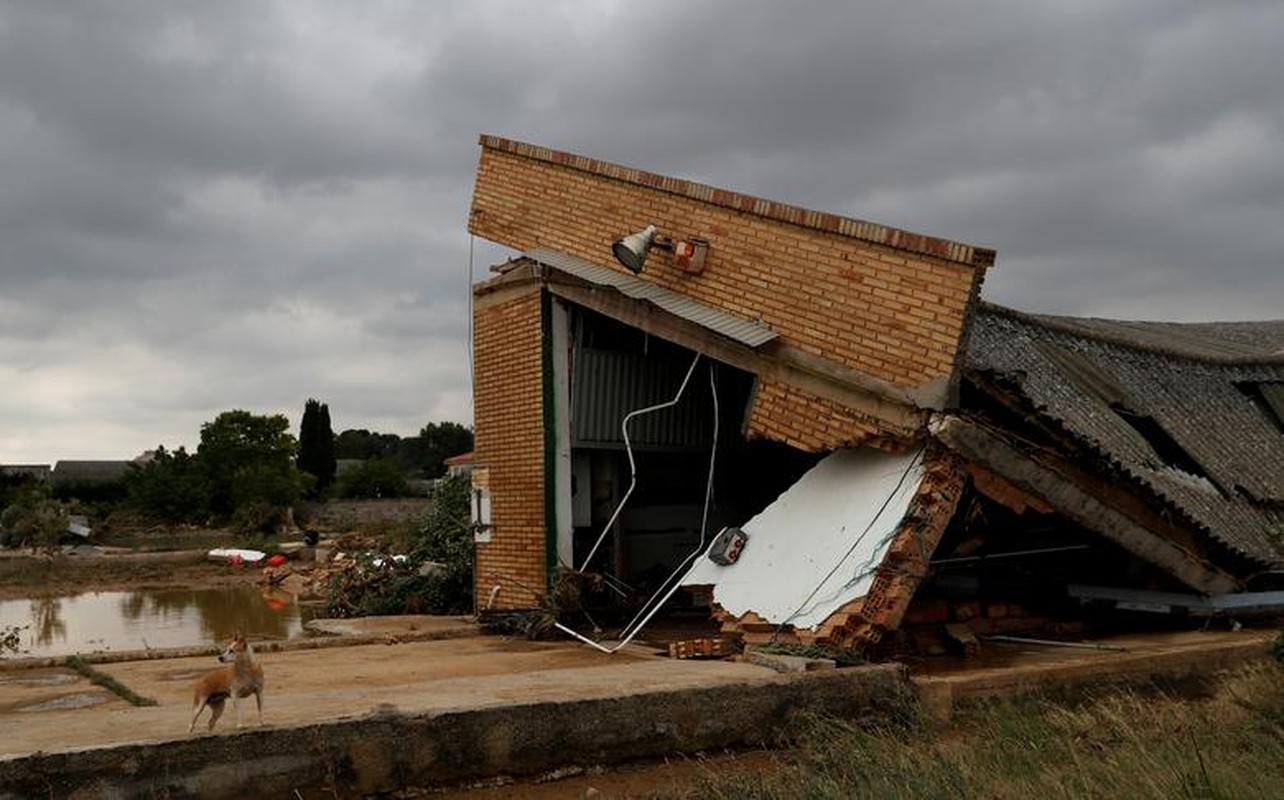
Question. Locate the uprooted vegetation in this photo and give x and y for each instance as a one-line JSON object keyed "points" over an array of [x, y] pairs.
{"points": [[433, 576]]}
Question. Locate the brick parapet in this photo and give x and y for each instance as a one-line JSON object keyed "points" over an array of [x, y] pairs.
{"points": [[872, 304], [876, 233], [788, 414]]}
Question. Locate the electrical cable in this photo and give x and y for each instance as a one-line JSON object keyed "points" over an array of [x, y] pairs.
{"points": [[471, 387]]}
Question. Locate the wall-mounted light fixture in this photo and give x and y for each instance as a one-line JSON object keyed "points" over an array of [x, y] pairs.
{"points": [[632, 250]]}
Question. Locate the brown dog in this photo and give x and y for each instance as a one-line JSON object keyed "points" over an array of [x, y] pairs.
{"points": [[242, 677]]}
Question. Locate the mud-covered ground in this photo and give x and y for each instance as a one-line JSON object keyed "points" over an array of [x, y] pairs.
{"points": [[27, 575], [157, 559]]}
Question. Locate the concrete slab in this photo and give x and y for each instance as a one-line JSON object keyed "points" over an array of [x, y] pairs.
{"points": [[371, 718], [1009, 669], [374, 717]]}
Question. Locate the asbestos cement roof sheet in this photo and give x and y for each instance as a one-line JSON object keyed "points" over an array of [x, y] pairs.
{"points": [[1091, 376], [746, 331]]}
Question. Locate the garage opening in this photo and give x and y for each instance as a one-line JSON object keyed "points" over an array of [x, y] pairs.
{"points": [[637, 513]]}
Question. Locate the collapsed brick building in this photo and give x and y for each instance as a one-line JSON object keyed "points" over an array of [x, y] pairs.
{"points": [[762, 364]]}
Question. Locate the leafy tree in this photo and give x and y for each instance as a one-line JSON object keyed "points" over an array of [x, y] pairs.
{"points": [[172, 487], [363, 445], [440, 441], [379, 477], [317, 446], [15, 486], [425, 453], [248, 458]]}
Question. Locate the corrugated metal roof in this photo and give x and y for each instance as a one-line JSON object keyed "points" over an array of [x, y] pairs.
{"points": [[607, 385], [746, 331]]}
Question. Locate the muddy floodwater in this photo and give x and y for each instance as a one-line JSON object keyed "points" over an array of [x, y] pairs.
{"points": [[114, 621]]}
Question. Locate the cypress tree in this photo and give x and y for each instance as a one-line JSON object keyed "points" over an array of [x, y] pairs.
{"points": [[325, 436], [316, 445]]}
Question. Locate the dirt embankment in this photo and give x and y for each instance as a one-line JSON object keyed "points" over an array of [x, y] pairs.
{"points": [[25, 575]]}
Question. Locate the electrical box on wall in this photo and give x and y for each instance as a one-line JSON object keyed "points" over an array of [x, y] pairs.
{"points": [[690, 254], [728, 546]]}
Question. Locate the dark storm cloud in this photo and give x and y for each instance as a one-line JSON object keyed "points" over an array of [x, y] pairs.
{"points": [[246, 204]]}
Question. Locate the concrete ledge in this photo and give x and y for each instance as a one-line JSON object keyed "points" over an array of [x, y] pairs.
{"points": [[938, 695], [387, 750]]}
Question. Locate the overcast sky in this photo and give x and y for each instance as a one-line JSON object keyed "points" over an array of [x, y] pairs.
{"points": [[216, 205]]}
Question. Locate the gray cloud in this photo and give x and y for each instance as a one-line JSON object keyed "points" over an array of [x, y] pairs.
{"points": [[246, 204]]}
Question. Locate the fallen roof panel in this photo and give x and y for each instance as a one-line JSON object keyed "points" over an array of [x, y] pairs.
{"points": [[817, 547]]}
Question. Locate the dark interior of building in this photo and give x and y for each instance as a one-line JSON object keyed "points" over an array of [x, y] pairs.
{"points": [[674, 507]]}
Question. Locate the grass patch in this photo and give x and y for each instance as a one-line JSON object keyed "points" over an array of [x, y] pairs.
{"points": [[1119, 743], [108, 682]]}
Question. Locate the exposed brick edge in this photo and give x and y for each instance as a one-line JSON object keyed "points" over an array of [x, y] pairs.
{"points": [[945, 249], [906, 564]]}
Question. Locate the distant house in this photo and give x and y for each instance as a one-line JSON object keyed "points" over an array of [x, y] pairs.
{"points": [[88, 472], [40, 472], [461, 464]]}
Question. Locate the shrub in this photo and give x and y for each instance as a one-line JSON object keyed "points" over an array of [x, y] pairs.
{"points": [[258, 518], [377, 585], [33, 519]]}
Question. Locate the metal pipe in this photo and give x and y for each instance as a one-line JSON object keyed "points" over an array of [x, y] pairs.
{"points": [[640, 625], [704, 519], [628, 448]]}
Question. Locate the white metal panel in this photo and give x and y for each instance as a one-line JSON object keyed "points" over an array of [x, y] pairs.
{"points": [[815, 549]]}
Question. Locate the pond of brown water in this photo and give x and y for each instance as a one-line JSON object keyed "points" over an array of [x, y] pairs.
{"points": [[114, 621]]}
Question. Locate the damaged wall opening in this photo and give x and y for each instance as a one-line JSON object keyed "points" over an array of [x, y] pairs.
{"points": [[1008, 571], [610, 370]]}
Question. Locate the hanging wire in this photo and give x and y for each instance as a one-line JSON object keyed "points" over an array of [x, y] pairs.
{"points": [[471, 387], [628, 448], [626, 633]]}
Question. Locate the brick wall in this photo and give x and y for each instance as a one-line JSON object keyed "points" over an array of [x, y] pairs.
{"points": [[788, 414], [886, 302], [509, 444]]}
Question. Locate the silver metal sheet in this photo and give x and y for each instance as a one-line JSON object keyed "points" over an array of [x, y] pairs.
{"points": [[746, 331]]}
